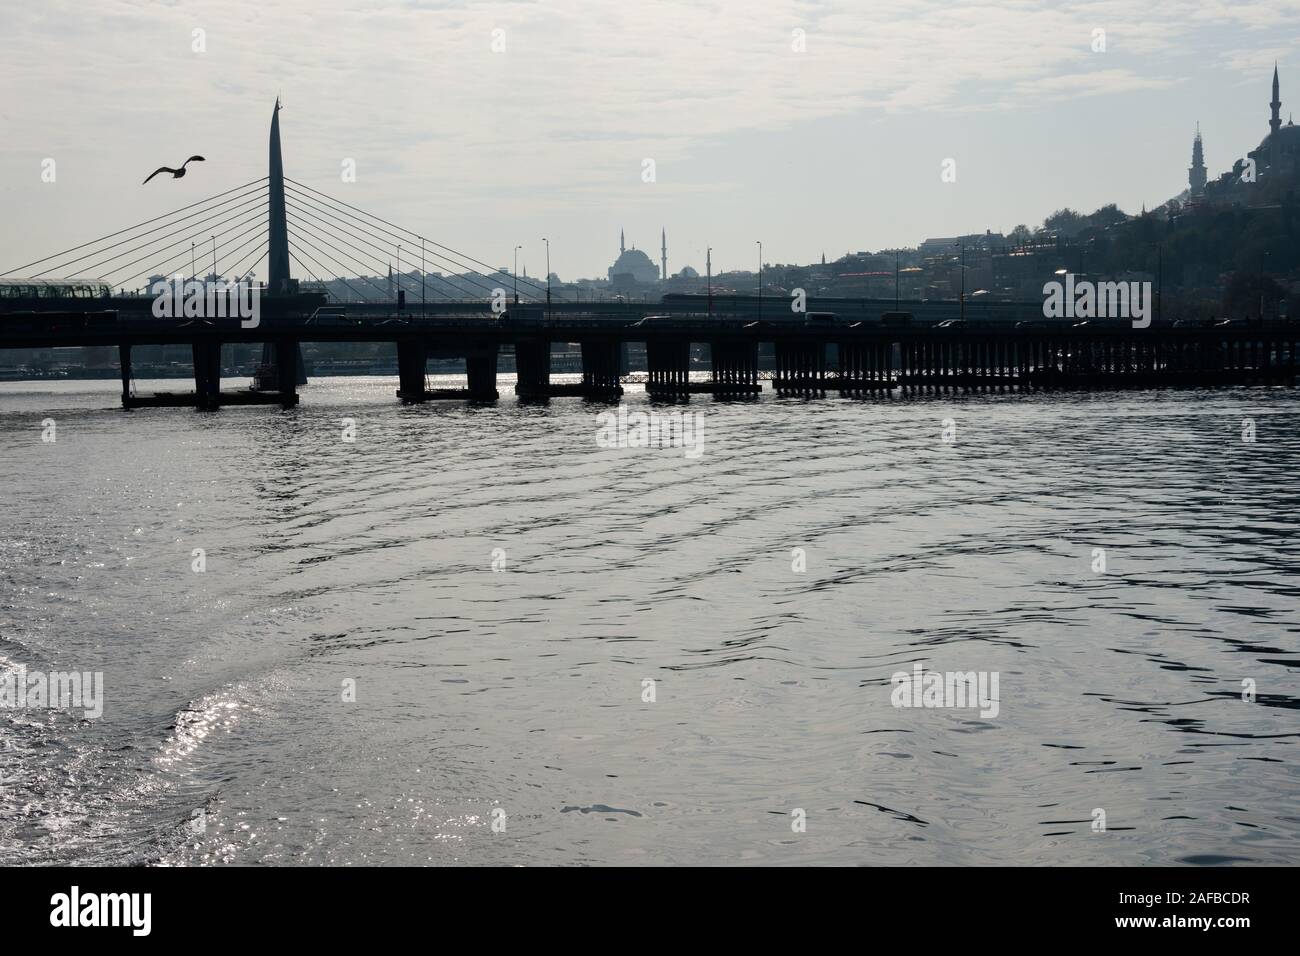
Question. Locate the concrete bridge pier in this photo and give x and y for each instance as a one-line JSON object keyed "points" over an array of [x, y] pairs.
{"points": [[207, 374], [601, 359], [412, 356], [668, 368], [532, 368], [883, 365], [861, 365], [124, 362], [287, 364], [481, 373], [800, 367], [735, 367]]}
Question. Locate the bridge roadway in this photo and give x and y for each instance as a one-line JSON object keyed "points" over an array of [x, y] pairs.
{"points": [[808, 355]]}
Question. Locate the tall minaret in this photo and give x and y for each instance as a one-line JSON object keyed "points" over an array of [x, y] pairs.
{"points": [[1275, 123], [621, 248], [1196, 175], [663, 253]]}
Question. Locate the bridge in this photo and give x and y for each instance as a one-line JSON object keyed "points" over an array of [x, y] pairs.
{"points": [[481, 314]]}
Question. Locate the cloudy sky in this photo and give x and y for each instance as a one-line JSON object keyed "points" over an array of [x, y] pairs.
{"points": [[833, 144]]}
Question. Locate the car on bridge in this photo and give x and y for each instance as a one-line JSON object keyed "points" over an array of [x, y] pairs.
{"points": [[332, 315]]}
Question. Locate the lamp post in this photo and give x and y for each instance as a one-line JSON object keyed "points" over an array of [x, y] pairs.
{"points": [[548, 277], [760, 277], [1261, 287], [708, 272], [962, 298], [1160, 279], [517, 248]]}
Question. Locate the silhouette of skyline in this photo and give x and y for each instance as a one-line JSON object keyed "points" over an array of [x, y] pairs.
{"points": [[834, 147]]}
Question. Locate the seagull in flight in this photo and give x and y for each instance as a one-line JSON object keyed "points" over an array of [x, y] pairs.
{"points": [[176, 173]]}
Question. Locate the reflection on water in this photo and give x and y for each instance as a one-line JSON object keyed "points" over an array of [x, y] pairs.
{"points": [[646, 678]]}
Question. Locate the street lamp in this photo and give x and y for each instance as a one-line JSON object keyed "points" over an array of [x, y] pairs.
{"points": [[1261, 286], [962, 245], [760, 277], [1160, 279], [708, 272], [517, 248], [548, 277]]}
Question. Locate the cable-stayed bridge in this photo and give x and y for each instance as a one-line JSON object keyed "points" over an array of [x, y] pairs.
{"points": [[334, 272]]}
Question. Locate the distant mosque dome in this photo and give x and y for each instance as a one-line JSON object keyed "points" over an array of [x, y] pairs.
{"points": [[688, 273], [633, 263]]}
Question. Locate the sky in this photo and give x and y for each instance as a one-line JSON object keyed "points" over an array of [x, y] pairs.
{"points": [[813, 127]]}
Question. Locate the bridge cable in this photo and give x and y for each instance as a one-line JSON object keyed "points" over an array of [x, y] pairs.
{"points": [[152, 255], [162, 269], [454, 252], [299, 198], [130, 228], [231, 214], [252, 242], [302, 233], [303, 226], [320, 256], [496, 275]]}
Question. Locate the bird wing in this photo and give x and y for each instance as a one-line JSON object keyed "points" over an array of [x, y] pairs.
{"points": [[160, 169], [193, 159]]}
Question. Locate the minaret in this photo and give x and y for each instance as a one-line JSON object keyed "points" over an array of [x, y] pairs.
{"points": [[277, 226], [621, 248], [1196, 175], [1275, 123], [663, 253]]}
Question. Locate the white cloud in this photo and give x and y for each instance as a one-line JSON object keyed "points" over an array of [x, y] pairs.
{"points": [[584, 91]]}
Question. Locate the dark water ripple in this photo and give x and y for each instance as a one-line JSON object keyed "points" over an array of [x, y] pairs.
{"points": [[519, 692]]}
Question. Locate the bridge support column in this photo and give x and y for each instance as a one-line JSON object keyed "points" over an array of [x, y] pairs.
{"points": [[207, 374], [801, 366], [668, 366], [600, 362], [287, 365], [124, 361], [412, 356], [735, 367], [481, 373], [532, 368]]}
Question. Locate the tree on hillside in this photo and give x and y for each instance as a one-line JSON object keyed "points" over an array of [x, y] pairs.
{"points": [[1241, 298], [1065, 222], [1108, 215]]}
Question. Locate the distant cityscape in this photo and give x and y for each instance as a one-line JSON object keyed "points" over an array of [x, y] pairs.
{"points": [[1224, 246]]}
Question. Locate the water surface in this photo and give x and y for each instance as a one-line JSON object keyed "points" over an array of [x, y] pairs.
{"points": [[226, 737]]}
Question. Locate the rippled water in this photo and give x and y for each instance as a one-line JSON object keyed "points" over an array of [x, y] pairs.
{"points": [[225, 737]]}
